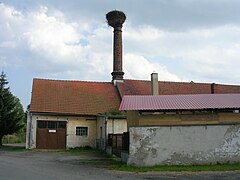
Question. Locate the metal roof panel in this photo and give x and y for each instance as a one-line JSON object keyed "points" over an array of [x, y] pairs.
{"points": [[181, 102]]}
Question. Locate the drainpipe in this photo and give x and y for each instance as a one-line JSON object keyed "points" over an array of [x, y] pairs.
{"points": [[113, 126], [105, 139]]}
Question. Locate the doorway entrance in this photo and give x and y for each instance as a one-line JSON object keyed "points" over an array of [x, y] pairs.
{"points": [[51, 135]]}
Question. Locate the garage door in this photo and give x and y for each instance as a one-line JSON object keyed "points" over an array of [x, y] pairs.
{"points": [[51, 135]]}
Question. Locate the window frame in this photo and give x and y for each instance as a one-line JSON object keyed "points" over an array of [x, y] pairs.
{"points": [[43, 124], [81, 131]]}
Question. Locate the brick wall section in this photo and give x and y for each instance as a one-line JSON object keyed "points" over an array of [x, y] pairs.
{"points": [[226, 89], [166, 88]]}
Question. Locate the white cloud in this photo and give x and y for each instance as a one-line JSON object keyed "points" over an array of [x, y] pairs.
{"points": [[51, 36], [209, 54], [40, 41], [46, 42], [181, 40], [8, 44], [56, 48], [140, 68], [10, 13], [143, 33]]}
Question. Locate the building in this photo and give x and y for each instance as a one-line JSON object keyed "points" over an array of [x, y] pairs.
{"points": [[183, 129], [68, 114]]}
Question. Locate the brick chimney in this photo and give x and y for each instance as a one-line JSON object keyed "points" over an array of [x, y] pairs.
{"points": [[154, 83], [116, 19], [212, 88]]}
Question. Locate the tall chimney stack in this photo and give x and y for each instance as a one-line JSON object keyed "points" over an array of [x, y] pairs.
{"points": [[116, 19], [154, 83]]}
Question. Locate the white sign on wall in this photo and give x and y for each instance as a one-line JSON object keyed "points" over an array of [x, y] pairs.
{"points": [[52, 130]]}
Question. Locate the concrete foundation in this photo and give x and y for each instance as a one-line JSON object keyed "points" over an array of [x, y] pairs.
{"points": [[124, 156], [109, 150]]}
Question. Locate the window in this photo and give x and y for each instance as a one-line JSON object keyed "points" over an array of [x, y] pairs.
{"points": [[51, 124], [81, 131], [42, 124], [61, 124]]}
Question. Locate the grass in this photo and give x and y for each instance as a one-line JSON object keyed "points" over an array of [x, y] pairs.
{"points": [[177, 168], [114, 163]]}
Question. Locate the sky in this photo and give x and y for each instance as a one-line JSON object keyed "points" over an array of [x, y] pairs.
{"points": [[181, 40]]}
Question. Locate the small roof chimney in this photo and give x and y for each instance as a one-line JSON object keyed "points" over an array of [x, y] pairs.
{"points": [[116, 19], [154, 83], [212, 88]]}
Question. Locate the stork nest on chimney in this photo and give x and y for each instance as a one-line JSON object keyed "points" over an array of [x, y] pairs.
{"points": [[115, 18]]}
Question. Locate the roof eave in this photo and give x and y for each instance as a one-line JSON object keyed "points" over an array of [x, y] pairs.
{"points": [[62, 114], [204, 109]]}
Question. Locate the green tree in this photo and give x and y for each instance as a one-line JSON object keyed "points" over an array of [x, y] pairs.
{"points": [[11, 110]]}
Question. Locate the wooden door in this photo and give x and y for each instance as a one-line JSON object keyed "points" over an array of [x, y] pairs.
{"points": [[51, 135]]}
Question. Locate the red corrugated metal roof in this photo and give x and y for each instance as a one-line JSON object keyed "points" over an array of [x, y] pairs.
{"points": [[181, 102]]}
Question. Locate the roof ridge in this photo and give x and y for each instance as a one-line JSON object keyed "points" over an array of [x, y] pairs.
{"points": [[154, 96], [166, 81], [184, 82], [139, 80], [61, 80]]}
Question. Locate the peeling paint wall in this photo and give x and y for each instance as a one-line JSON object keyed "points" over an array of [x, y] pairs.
{"points": [[173, 145]]}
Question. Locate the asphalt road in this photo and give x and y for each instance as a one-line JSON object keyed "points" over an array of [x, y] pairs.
{"points": [[59, 166]]}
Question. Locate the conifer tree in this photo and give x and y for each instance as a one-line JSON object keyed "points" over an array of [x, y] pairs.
{"points": [[11, 110]]}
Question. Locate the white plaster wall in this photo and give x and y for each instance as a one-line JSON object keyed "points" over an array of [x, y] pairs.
{"points": [[72, 122], [101, 123], [116, 126], [81, 141], [31, 132], [28, 129], [113, 126], [101, 132], [173, 145]]}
